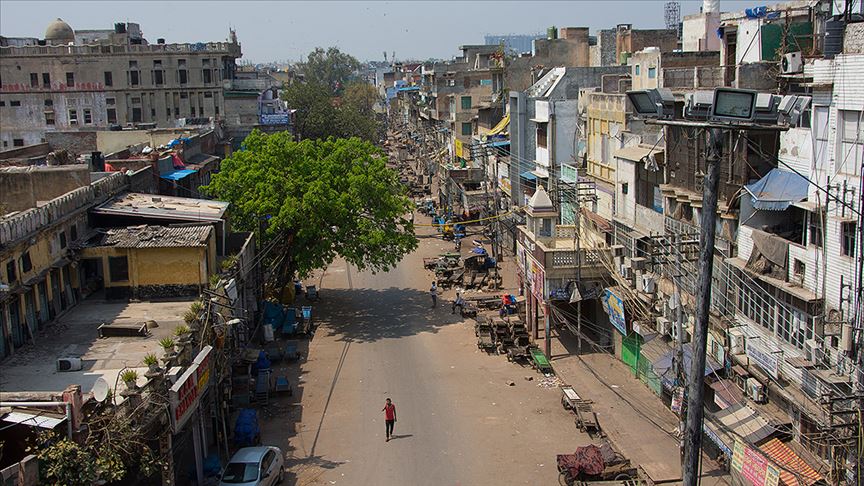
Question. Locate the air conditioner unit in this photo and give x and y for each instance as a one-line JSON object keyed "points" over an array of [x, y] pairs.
{"points": [[618, 250], [664, 326], [792, 63], [812, 350], [69, 364], [756, 390], [648, 284], [625, 271]]}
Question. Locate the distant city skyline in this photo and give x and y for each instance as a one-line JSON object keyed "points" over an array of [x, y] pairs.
{"points": [[277, 31]]}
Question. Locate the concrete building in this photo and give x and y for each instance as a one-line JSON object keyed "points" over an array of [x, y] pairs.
{"points": [[629, 40], [101, 79], [513, 43], [699, 31], [570, 49]]}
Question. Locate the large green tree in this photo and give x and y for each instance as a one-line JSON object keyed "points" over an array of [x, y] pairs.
{"points": [[321, 115], [321, 199], [332, 68]]}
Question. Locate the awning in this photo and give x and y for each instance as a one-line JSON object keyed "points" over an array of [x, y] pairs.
{"points": [[726, 394], [746, 422], [33, 420], [636, 152], [777, 190], [600, 222], [176, 175], [792, 467], [501, 127], [500, 143], [529, 175]]}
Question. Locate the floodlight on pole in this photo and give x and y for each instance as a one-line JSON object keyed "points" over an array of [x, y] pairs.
{"points": [[734, 105], [653, 103]]}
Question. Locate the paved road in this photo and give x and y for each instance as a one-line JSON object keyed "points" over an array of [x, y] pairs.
{"points": [[459, 423]]}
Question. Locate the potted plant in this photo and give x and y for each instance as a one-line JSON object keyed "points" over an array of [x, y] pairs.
{"points": [[182, 331], [167, 344], [130, 377], [190, 317], [197, 307], [152, 362]]}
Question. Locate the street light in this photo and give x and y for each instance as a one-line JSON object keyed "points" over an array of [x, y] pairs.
{"points": [[653, 103]]}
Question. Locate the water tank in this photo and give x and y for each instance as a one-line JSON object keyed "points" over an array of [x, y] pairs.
{"points": [[834, 30], [160, 40], [552, 33], [710, 6], [119, 28]]}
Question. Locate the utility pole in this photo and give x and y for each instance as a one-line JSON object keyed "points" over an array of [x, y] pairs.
{"points": [[577, 217], [695, 395], [679, 337]]}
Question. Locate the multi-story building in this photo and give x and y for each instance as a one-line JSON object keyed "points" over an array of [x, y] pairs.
{"points": [[99, 79]]}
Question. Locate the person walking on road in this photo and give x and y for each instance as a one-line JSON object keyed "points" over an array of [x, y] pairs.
{"points": [[433, 292], [389, 417], [459, 302]]}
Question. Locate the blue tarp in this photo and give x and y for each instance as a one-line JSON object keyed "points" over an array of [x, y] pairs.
{"points": [[663, 365], [409, 88], [528, 175], [777, 190], [176, 175], [501, 143]]}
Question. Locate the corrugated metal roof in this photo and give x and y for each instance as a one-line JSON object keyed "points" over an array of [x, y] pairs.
{"points": [[156, 237], [792, 467]]}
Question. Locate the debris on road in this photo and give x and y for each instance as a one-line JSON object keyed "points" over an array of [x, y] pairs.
{"points": [[550, 382], [511, 383]]}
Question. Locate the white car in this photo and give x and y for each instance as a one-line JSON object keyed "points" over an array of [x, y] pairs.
{"points": [[254, 466]]}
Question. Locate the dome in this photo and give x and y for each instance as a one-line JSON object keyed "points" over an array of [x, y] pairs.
{"points": [[59, 32]]}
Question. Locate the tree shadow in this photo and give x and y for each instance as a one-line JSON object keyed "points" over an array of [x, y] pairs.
{"points": [[369, 315]]}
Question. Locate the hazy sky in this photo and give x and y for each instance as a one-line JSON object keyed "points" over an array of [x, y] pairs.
{"points": [[287, 30]]}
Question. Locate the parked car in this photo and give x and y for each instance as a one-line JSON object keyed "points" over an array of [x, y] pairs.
{"points": [[255, 466]]}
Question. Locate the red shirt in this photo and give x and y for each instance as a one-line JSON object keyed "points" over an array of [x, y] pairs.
{"points": [[390, 412]]}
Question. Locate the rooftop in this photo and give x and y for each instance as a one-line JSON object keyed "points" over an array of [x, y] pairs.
{"points": [[148, 205], [75, 334], [145, 236]]}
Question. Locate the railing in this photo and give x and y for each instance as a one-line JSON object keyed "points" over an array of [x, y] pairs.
{"points": [[101, 49], [31, 221], [590, 257]]}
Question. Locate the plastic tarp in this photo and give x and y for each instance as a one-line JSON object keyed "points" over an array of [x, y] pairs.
{"points": [[778, 190], [176, 175], [587, 460], [501, 127], [528, 175], [246, 430], [663, 366]]}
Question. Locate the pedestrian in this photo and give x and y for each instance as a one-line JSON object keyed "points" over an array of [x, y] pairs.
{"points": [[389, 418], [433, 292], [458, 243], [459, 302]]}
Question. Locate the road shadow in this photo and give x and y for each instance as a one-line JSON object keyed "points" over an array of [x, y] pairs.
{"points": [[368, 315], [401, 436]]}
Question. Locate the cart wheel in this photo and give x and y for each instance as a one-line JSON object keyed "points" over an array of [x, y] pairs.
{"points": [[564, 479]]}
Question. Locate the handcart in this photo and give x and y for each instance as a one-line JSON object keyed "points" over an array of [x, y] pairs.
{"points": [[539, 361]]}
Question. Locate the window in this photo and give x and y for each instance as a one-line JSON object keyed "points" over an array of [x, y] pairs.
{"points": [[136, 100], [34, 80], [851, 142], [208, 94], [158, 77], [2, 103], [26, 264], [638, 70], [109, 78], [798, 268], [49, 118], [184, 96], [134, 79], [49, 103], [136, 115], [15, 103], [207, 74], [11, 274], [17, 142], [625, 187], [46, 80], [216, 109], [118, 269], [466, 102], [88, 117], [182, 73], [820, 135], [153, 113], [70, 79], [849, 232], [545, 229], [62, 237], [112, 116], [541, 135], [814, 226], [73, 117], [110, 101], [466, 128], [652, 72], [73, 232]]}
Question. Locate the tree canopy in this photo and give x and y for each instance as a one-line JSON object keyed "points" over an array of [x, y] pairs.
{"points": [[322, 199], [320, 115], [331, 68]]}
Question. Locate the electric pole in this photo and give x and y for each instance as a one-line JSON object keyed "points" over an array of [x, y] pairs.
{"points": [[695, 392]]}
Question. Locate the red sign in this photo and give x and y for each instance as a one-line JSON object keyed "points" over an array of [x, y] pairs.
{"points": [[183, 395]]}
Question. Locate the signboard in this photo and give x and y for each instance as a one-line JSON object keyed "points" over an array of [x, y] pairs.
{"points": [[184, 394], [457, 148], [537, 277], [275, 118], [753, 466], [614, 306], [766, 361], [677, 400]]}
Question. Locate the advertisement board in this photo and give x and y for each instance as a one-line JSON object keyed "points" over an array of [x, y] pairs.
{"points": [[184, 394], [614, 306], [766, 361], [753, 466]]}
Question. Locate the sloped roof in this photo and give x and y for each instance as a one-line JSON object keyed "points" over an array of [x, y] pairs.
{"points": [[540, 201], [156, 237]]}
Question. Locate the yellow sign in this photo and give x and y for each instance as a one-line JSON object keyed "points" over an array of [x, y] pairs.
{"points": [[457, 148]]}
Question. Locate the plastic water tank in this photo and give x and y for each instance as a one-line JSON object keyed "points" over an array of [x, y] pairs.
{"points": [[710, 6], [834, 30]]}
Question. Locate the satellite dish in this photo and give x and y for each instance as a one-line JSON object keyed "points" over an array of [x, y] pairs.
{"points": [[100, 389], [614, 129]]}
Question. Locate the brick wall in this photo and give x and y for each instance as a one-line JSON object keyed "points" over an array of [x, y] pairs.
{"points": [[75, 142]]}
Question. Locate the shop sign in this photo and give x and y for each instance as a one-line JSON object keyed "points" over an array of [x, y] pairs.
{"points": [[766, 361], [183, 396], [614, 306], [457, 148], [753, 466], [537, 277], [677, 400], [275, 118]]}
